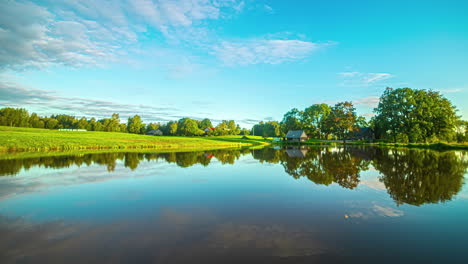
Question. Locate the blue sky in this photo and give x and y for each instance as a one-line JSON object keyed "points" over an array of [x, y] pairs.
{"points": [[243, 60]]}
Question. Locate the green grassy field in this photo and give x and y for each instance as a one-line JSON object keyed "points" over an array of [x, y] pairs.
{"points": [[16, 139]]}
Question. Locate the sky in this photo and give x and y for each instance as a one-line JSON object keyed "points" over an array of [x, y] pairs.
{"points": [[244, 60]]}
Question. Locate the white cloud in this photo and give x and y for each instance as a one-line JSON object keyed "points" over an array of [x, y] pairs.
{"points": [[370, 101], [363, 79], [266, 51], [90, 32], [375, 77]]}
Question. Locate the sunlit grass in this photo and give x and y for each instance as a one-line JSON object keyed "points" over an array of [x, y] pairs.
{"points": [[13, 139]]}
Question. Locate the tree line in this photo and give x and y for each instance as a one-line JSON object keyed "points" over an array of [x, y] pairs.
{"points": [[20, 117], [318, 121], [402, 115]]}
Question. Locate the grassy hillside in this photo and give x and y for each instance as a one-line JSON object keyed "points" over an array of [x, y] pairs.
{"points": [[32, 139]]}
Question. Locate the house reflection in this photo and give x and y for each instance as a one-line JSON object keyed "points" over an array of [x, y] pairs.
{"points": [[297, 152]]}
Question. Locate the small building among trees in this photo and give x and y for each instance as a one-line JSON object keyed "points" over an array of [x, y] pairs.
{"points": [[363, 133], [296, 136], [209, 129], [155, 132]]}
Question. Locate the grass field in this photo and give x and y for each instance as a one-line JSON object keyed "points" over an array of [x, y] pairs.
{"points": [[16, 139]]}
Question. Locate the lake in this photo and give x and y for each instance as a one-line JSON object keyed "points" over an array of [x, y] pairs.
{"points": [[297, 205]]}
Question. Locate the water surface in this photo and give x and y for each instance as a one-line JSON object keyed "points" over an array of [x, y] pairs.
{"points": [[302, 205]]}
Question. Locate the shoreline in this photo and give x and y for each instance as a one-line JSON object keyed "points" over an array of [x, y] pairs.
{"points": [[433, 146]]}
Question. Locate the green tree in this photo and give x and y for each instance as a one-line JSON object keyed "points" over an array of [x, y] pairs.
{"points": [[152, 126], [245, 132], [83, 124], [51, 123], [341, 120], [188, 127], [292, 120], [410, 115], [111, 124], [205, 123], [313, 119], [35, 121], [232, 127], [221, 129], [135, 125], [15, 117]]}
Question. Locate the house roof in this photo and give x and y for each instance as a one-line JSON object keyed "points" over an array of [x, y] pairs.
{"points": [[296, 134], [154, 131]]}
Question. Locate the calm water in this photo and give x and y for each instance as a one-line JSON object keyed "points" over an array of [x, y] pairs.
{"points": [[316, 205]]}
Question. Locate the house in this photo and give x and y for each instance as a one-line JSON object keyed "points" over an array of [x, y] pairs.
{"points": [[209, 129], [155, 132], [363, 133], [296, 136]]}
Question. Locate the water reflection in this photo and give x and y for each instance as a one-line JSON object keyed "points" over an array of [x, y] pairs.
{"points": [[410, 176], [131, 160]]}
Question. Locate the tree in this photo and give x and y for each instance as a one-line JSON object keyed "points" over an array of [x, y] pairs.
{"points": [[341, 120], [291, 120], [245, 132], [51, 123], [83, 124], [152, 126], [135, 125], [111, 124], [205, 123], [313, 119], [257, 130], [188, 127], [35, 121], [410, 115], [15, 117], [221, 129], [232, 127], [172, 127], [98, 126]]}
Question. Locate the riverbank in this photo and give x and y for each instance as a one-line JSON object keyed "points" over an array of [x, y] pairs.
{"points": [[18, 139], [435, 146]]}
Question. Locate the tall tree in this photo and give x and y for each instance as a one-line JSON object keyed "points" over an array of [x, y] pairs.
{"points": [[313, 119], [135, 125], [16, 117], [188, 127], [111, 124], [411, 115], [205, 123], [342, 120], [291, 120]]}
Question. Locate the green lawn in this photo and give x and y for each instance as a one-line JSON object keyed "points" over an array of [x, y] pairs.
{"points": [[32, 139]]}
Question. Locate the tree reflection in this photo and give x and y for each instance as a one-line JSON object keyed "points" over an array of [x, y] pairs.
{"points": [[326, 165], [411, 176], [130, 160], [417, 177]]}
